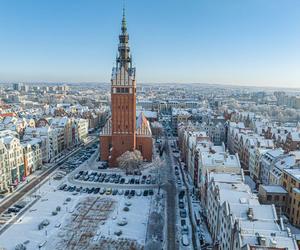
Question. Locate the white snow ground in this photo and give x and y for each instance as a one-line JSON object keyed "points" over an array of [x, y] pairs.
{"points": [[26, 228]]}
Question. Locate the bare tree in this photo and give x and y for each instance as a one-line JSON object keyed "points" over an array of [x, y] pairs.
{"points": [[130, 161]]}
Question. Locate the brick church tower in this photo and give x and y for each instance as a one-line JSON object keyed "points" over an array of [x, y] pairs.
{"points": [[120, 133], [123, 98]]}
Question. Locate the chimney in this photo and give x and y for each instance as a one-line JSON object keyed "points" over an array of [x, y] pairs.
{"points": [[250, 213]]}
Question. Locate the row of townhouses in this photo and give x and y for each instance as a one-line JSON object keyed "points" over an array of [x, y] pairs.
{"points": [[270, 154], [235, 216], [25, 144]]}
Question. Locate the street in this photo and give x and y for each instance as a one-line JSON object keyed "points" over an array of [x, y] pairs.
{"points": [[39, 180]]}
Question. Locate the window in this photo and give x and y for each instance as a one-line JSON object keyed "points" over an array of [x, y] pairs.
{"points": [[269, 197], [276, 197]]}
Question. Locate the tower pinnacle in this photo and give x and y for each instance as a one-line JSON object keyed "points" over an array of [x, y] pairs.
{"points": [[124, 27]]}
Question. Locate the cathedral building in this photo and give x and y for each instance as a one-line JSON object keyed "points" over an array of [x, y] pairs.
{"points": [[124, 131]]}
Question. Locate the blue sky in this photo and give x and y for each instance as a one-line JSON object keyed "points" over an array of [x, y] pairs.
{"points": [[254, 42]]}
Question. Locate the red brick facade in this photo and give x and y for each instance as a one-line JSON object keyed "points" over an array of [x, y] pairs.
{"points": [[121, 134]]}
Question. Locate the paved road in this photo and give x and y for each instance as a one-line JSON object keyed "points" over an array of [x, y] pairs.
{"points": [[28, 187], [190, 207], [171, 192]]}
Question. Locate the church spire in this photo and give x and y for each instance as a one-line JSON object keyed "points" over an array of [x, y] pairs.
{"points": [[124, 27], [124, 57]]}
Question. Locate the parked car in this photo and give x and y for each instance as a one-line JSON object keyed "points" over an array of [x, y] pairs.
{"points": [[181, 204], [185, 240], [183, 213], [62, 187], [182, 222], [96, 190], [13, 210], [184, 229], [108, 191]]}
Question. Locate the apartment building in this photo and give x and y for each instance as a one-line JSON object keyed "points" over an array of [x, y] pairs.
{"points": [[273, 194], [291, 182]]}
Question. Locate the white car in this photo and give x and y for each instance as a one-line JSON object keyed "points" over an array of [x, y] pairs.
{"points": [[185, 240]]}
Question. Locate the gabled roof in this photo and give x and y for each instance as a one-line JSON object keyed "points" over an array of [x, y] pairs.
{"points": [[142, 125]]}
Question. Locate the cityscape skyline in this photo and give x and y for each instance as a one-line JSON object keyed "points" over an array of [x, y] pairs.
{"points": [[143, 166], [252, 43]]}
